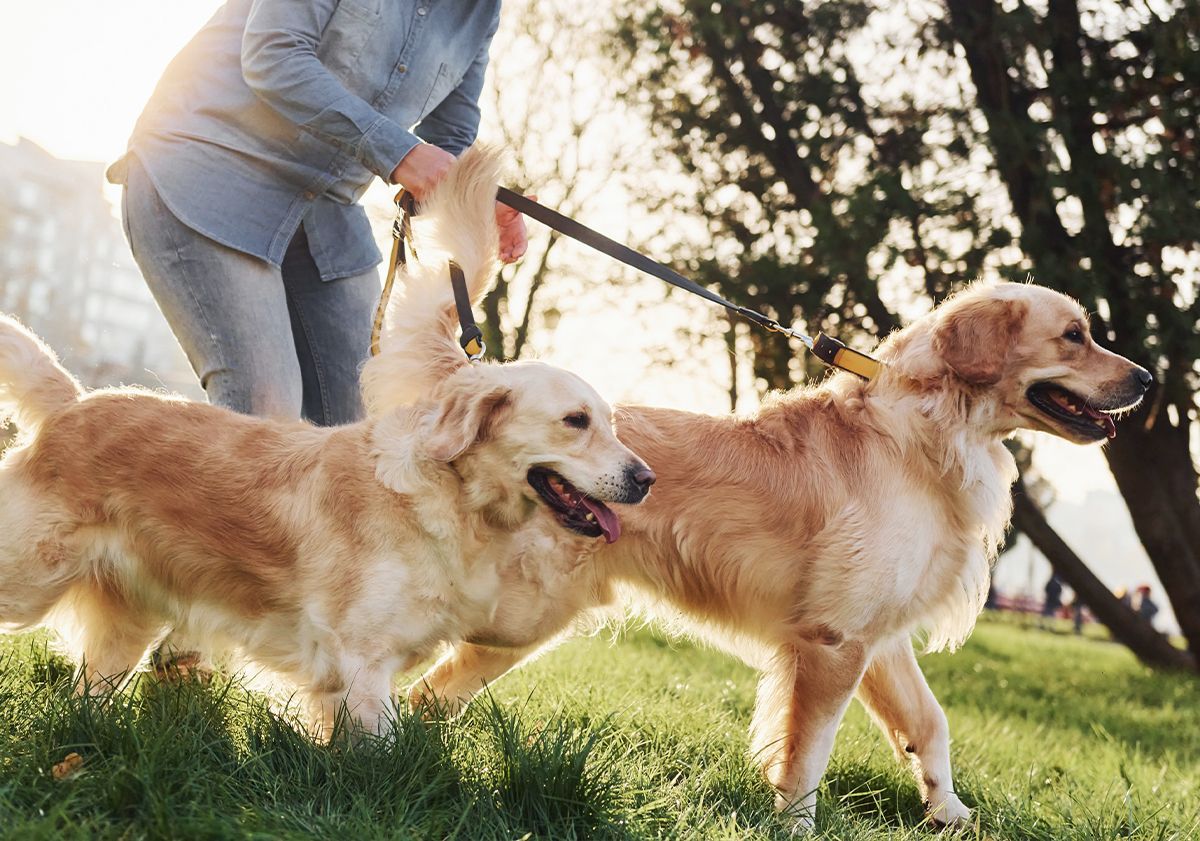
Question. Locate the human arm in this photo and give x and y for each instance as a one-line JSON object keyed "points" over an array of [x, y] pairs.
{"points": [[454, 122], [280, 64]]}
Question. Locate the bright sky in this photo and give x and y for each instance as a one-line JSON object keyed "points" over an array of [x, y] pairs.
{"points": [[74, 75]]}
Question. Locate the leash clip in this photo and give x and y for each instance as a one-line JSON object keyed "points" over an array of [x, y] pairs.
{"points": [[838, 355], [471, 337]]}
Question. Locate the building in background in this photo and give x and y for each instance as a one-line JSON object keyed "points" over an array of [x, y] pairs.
{"points": [[66, 271]]}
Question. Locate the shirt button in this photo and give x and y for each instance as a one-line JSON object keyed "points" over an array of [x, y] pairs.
{"points": [[403, 68], [309, 195], [422, 10]]}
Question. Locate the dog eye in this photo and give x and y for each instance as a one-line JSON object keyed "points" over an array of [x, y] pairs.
{"points": [[577, 420], [1074, 335]]}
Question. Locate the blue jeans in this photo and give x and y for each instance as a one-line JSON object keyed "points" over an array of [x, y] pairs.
{"points": [[263, 341]]}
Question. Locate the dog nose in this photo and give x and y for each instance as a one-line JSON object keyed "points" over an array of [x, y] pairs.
{"points": [[1142, 377], [644, 477]]}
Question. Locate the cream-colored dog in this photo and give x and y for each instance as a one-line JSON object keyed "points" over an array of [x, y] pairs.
{"points": [[814, 538], [335, 557]]}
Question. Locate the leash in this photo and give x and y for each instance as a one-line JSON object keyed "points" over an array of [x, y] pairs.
{"points": [[829, 350], [402, 239], [471, 337]]}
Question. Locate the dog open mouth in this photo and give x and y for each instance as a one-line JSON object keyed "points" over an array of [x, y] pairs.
{"points": [[1072, 411], [574, 509]]}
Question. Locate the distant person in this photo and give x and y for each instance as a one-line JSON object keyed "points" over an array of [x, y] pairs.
{"points": [[1146, 608], [1053, 600], [1123, 596], [1077, 609], [244, 171]]}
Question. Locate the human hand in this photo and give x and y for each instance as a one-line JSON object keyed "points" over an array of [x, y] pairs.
{"points": [[513, 239], [421, 169]]}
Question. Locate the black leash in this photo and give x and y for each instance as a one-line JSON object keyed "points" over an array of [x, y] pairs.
{"points": [[828, 350], [470, 337]]}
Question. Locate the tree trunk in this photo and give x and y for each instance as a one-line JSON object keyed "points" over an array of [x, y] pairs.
{"points": [[1127, 627], [1155, 475], [1153, 466]]}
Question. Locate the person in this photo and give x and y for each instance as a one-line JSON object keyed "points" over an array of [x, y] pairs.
{"points": [[1053, 600], [244, 171], [1146, 608]]}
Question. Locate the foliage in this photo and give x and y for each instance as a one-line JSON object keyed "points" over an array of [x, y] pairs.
{"points": [[816, 183], [551, 108]]}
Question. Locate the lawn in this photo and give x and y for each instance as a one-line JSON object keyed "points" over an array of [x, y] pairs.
{"points": [[1054, 738]]}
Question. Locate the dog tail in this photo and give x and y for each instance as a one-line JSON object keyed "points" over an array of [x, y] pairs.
{"points": [[418, 348], [33, 386]]}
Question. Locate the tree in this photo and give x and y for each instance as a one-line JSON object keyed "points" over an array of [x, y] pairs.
{"points": [[836, 196], [1093, 115], [552, 109]]}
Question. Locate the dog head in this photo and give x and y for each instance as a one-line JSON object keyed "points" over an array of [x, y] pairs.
{"points": [[527, 433], [1027, 350]]}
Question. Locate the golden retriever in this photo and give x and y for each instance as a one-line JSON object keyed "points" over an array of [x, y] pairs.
{"points": [[814, 538], [334, 557]]}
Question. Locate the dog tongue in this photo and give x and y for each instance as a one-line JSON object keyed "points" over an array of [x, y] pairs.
{"points": [[609, 524], [1109, 426]]}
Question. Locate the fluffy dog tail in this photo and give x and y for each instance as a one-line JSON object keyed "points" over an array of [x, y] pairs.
{"points": [[33, 386], [457, 222]]}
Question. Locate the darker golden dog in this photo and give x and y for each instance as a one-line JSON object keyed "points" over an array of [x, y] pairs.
{"points": [[816, 537]]}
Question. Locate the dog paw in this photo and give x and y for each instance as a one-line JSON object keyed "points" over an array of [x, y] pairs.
{"points": [[949, 812], [432, 707], [181, 667], [800, 816], [803, 826]]}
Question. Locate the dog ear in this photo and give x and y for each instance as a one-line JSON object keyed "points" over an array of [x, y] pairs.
{"points": [[974, 338], [465, 418]]}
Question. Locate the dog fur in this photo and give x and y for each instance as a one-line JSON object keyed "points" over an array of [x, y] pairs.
{"points": [[334, 557], [816, 537]]}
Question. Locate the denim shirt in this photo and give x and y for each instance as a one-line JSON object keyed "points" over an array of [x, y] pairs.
{"points": [[280, 112]]}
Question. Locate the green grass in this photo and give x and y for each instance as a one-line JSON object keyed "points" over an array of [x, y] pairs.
{"points": [[1054, 738]]}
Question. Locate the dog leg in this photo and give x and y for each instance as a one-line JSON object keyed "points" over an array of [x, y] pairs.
{"points": [[107, 633], [361, 701], [462, 673], [899, 700], [33, 582], [802, 696], [180, 657]]}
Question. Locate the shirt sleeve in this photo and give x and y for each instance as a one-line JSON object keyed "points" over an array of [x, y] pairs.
{"points": [[454, 123], [280, 64]]}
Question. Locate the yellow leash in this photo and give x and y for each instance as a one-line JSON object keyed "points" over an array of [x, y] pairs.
{"points": [[401, 238]]}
